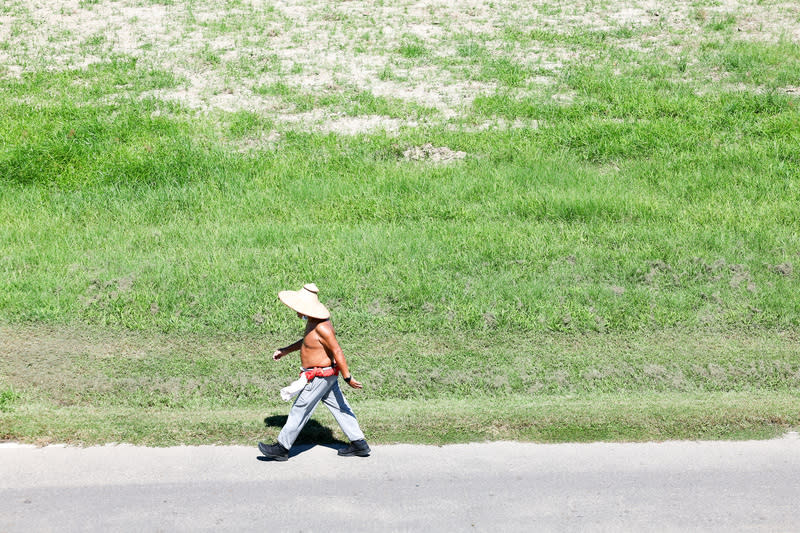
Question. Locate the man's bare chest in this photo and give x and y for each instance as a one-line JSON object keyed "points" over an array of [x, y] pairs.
{"points": [[312, 342]]}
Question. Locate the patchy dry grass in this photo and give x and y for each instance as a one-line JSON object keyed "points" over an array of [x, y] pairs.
{"points": [[432, 55], [89, 386]]}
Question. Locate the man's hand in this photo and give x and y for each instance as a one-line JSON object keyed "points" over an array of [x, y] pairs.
{"points": [[278, 354], [355, 384]]}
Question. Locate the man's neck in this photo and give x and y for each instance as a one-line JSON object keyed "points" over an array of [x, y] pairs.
{"points": [[314, 322]]}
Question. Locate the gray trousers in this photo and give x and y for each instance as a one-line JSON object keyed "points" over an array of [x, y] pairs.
{"points": [[327, 390]]}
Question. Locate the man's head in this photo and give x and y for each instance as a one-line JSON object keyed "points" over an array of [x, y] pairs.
{"points": [[305, 302]]}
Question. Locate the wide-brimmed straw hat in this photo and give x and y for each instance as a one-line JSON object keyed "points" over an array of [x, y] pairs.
{"points": [[305, 301]]}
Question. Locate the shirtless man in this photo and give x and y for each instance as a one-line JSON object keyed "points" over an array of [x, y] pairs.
{"points": [[323, 360]]}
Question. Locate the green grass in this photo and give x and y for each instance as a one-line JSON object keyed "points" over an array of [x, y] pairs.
{"points": [[770, 64], [558, 419], [412, 48], [622, 263], [353, 104], [94, 385], [8, 396]]}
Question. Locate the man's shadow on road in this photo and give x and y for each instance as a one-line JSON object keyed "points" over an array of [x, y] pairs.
{"points": [[313, 434]]}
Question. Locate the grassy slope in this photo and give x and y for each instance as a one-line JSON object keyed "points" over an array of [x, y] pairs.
{"points": [[624, 267]]}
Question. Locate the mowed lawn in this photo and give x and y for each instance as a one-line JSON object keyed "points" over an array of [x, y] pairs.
{"points": [[541, 222]]}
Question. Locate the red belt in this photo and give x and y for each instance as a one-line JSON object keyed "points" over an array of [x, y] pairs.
{"points": [[320, 372]]}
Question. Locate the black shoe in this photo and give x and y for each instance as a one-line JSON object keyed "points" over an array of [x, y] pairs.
{"points": [[357, 447], [274, 451]]}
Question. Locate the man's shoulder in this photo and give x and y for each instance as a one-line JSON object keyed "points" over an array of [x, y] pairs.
{"points": [[325, 328]]}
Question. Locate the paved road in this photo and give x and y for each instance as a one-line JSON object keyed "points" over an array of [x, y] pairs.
{"points": [[673, 486]]}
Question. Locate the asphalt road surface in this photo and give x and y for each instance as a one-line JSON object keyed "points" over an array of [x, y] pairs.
{"points": [[503, 486]]}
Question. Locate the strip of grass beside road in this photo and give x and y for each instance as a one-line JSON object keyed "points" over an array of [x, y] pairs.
{"points": [[92, 386], [622, 417]]}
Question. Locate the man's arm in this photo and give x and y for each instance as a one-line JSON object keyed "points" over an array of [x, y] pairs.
{"points": [[280, 352], [328, 339]]}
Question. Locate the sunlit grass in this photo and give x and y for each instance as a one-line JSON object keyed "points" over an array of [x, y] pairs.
{"points": [[624, 225], [96, 385]]}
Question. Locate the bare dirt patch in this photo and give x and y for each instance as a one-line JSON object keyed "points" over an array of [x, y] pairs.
{"points": [[435, 154]]}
